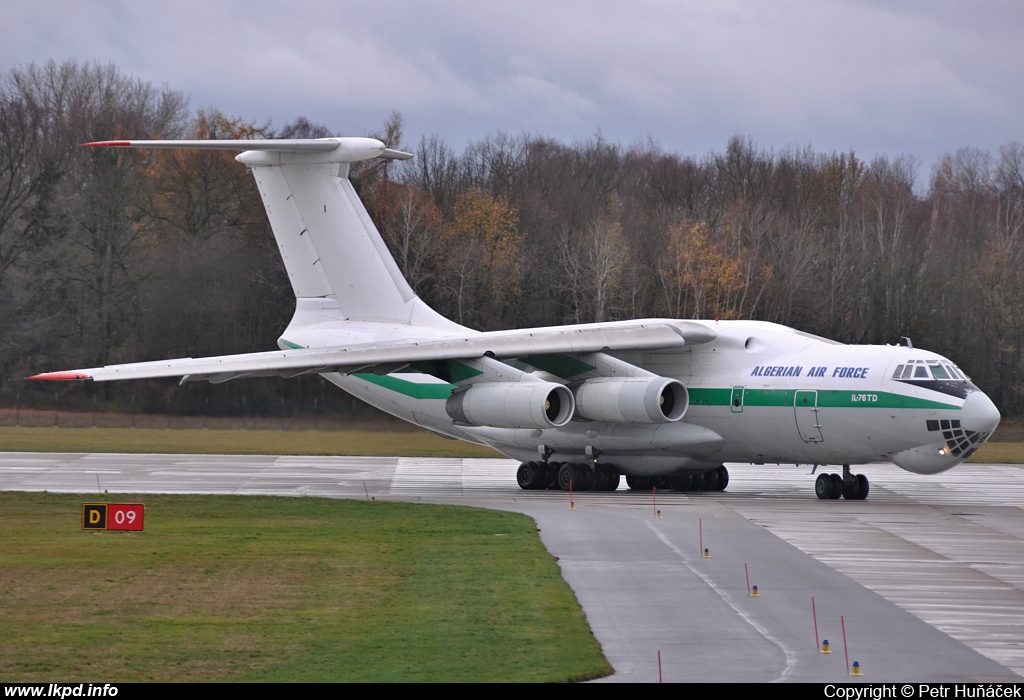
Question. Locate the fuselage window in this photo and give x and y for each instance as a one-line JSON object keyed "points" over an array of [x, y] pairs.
{"points": [[908, 372], [939, 372], [921, 372], [898, 373]]}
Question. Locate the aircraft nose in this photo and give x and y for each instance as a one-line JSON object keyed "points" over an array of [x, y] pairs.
{"points": [[979, 413]]}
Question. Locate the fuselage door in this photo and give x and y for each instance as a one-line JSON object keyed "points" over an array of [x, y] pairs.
{"points": [[808, 422], [736, 402]]}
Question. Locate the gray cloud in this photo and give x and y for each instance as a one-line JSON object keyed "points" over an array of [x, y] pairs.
{"points": [[875, 77]]}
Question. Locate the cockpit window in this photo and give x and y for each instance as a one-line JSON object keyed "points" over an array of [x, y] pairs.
{"points": [[932, 369], [935, 375]]}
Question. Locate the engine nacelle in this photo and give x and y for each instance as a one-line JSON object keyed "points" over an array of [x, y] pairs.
{"points": [[632, 399], [512, 405]]}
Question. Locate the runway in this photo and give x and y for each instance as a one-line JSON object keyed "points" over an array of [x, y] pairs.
{"points": [[926, 576]]}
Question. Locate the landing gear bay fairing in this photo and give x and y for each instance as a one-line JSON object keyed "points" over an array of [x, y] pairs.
{"points": [[663, 402]]}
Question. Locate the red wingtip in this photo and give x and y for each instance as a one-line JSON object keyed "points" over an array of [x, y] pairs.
{"points": [[60, 376], [104, 144]]}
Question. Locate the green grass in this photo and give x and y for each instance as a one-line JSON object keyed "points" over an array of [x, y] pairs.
{"points": [[418, 443], [280, 589], [999, 453], [372, 443]]}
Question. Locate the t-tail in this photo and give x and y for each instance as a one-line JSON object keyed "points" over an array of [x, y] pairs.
{"points": [[339, 266]]}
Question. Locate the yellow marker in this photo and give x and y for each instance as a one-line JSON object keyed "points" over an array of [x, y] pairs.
{"points": [[824, 647], [658, 513], [856, 669], [754, 593], [707, 554]]}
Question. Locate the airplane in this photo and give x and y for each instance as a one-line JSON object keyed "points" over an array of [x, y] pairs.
{"points": [[664, 402]]}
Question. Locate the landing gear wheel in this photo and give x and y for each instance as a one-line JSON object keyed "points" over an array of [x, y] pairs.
{"points": [[710, 480], [638, 482], [613, 479], [585, 476], [837, 487], [602, 476], [552, 475], [723, 477], [863, 487], [681, 482], [851, 490], [697, 484], [531, 476], [823, 487], [567, 477]]}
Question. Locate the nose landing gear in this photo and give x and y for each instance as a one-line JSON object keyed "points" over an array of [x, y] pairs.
{"points": [[852, 487]]}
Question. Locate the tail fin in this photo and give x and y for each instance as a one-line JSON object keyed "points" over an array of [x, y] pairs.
{"points": [[330, 247]]}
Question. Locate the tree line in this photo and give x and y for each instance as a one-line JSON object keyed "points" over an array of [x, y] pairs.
{"points": [[110, 255]]}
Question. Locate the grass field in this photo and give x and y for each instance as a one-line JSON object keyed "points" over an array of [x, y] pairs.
{"points": [[284, 589], [373, 443]]}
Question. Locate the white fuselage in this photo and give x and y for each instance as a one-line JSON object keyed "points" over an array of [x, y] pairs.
{"points": [[759, 392]]}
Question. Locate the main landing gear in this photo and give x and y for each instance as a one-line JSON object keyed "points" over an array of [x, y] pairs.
{"points": [[598, 476], [852, 487], [715, 480], [582, 476]]}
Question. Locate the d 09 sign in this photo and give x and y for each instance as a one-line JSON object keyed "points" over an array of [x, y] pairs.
{"points": [[112, 516]]}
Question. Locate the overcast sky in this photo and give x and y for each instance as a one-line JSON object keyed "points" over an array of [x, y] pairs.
{"points": [[888, 77]]}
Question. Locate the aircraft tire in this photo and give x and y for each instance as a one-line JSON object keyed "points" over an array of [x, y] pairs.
{"points": [[567, 477], [851, 489], [531, 476], [545, 476], [585, 476], [837, 487], [823, 487], [710, 481], [638, 482], [601, 477], [613, 479], [697, 482], [864, 487], [552, 476], [723, 477], [680, 482]]}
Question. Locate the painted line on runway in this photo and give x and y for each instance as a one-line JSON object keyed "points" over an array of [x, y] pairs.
{"points": [[727, 599]]}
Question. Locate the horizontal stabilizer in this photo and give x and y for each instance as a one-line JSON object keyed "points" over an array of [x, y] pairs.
{"points": [[355, 148]]}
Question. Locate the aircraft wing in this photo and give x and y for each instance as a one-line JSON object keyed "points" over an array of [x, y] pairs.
{"points": [[390, 356]]}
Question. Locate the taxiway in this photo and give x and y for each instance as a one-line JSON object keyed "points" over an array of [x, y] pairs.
{"points": [[926, 576]]}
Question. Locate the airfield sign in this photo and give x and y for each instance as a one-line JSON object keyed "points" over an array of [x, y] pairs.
{"points": [[113, 516]]}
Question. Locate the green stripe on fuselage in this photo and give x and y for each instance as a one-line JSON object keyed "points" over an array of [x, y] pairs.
{"points": [[414, 390], [827, 398]]}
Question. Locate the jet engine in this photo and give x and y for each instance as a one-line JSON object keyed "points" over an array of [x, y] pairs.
{"points": [[632, 400], [512, 405]]}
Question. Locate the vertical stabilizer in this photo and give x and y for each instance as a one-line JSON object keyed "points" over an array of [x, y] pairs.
{"points": [[305, 272], [330, 246], [323, 219], [335, 257]]}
